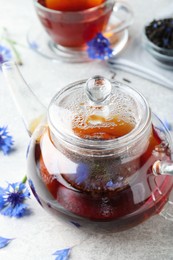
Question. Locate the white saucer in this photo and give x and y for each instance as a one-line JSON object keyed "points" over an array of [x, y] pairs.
{"points": [[40, 43]]}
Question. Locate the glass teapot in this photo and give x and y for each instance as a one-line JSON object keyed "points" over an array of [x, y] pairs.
{"points": [[99, 157]]}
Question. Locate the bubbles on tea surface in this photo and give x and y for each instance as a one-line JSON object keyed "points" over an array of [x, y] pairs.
{"points": [[103, 122]]}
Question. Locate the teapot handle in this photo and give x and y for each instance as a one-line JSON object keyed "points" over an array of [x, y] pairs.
{"points": [[162, 168], [125, 16], [165, 168]]}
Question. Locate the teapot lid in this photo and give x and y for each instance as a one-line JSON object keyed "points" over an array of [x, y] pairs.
{"points": [[97, 112]]}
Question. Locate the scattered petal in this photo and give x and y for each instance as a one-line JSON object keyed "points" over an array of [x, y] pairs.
{"points": [[28, 148], [6, 140], [5, 54], [34, 191], [4, 241], [76, 224], [33, 45], [12, 200], [62, 254], [167, 125], [99, 48]]}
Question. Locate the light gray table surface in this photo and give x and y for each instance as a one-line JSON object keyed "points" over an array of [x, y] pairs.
{"points": [[39, 235]]}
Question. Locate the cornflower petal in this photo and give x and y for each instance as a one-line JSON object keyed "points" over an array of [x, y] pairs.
{"points": [[75, 224], [62, 254], [2, 202], [4, 241], [34, 191], [99, 48], [5, 54], [6, 140], [7, 211], [167, 125], [34, 45], [19, 210]]}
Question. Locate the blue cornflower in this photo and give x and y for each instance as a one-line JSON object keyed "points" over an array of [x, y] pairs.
{"points": [[99, 48], [62, 254], [6, 140], [5, 54], [12, 200]]}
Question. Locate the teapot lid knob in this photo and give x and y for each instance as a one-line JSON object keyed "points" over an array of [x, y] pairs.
{"points": [[98, 89]]}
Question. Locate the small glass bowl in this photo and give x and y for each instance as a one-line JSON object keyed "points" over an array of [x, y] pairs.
{"points": [[163, 55]]}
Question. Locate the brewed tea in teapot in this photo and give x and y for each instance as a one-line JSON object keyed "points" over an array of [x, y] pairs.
{"points": [[97, 158]]}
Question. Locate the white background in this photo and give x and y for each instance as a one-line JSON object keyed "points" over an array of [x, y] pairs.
{"points": [[38, 236]]}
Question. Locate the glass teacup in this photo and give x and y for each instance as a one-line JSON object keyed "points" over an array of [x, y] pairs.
{"points": [[73, 29]]}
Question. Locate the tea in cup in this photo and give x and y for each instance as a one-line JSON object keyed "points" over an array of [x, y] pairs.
{"points": [[73, 23]]}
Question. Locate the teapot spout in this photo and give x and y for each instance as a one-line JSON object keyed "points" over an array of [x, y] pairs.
{"points": [[30, 108]]}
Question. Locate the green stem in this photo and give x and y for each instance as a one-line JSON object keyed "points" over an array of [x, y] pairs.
{"points": [[12, 43], [24, 179], [18, 59]]}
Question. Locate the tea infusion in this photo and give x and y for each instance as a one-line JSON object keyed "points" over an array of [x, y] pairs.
{"points": [[103, 189], [70, 28]]}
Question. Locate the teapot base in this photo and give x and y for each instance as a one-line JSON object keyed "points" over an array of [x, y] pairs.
{"points": [[113, 226]]}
